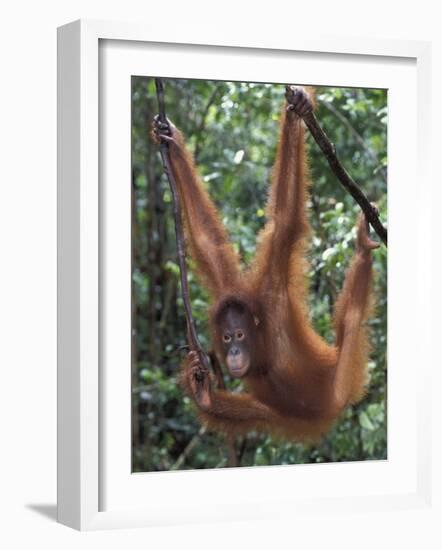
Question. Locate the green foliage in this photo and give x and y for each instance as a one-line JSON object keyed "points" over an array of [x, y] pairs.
{"points": [[232, 129]]}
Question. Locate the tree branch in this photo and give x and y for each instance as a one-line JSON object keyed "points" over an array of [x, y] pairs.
{"points": [[192, 336], [189, 448], [233, 459], [202, 124]]}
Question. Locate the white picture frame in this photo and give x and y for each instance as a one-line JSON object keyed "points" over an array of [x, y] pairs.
{"points": [[83, 416]]}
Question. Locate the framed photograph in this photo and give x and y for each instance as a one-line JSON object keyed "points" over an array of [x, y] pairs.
{"points": [[291, 410]]}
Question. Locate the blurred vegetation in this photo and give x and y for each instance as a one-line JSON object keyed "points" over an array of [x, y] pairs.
{"points": [[232, 129]]}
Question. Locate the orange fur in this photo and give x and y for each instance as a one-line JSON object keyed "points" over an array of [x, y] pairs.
{"points": [[298, 384]]}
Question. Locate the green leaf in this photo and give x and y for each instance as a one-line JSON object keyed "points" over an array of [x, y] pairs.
{"points": [[365, 421]]}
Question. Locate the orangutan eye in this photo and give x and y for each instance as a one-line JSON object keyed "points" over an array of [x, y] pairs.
{"points": [[227, 338], [240, 335]]}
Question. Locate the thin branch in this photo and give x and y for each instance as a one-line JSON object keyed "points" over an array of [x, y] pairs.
{"points": [[361, 141], [233, 459], [192, 336], [189, 448], [348, 183], [202, 124]]}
